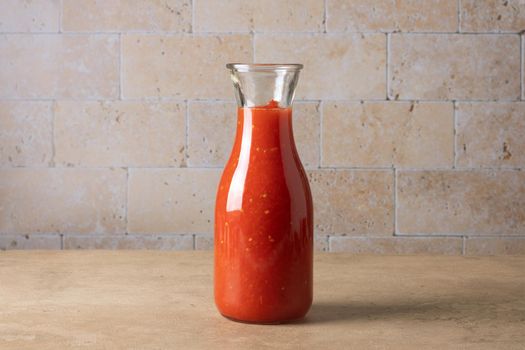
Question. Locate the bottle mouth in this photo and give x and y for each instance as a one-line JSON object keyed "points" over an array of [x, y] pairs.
{"points": [[264, 67], [256, 84]]}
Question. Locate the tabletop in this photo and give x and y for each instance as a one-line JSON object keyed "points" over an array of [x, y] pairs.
{"points": [[164, 300]]}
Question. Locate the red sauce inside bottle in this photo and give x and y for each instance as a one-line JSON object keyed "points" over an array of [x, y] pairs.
{"points": [[264, 223]]}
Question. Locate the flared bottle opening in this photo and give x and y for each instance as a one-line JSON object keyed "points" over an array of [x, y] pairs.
{"points": [[263, 84], [264, 67]]}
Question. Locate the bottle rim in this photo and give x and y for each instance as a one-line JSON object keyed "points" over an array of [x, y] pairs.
{"points": [[264, 67]]}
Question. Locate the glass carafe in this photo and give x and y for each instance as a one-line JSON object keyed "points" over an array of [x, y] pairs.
{"points": [[263, 215]]}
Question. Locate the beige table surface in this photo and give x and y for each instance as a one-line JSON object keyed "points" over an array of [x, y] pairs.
{"points": [[163, 300]]}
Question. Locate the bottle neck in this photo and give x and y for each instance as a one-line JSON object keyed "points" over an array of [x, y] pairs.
{"points": [[256, 84]]}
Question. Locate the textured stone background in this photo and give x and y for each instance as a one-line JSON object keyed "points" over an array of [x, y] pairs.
{"points": [[116, 118]]}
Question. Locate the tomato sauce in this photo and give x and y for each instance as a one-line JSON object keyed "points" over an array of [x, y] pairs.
{"points": [[263, 223]]}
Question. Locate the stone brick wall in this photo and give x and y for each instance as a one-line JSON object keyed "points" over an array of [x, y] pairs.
{"points": [[116, 118]]}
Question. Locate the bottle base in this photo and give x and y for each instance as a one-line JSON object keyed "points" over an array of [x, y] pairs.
{"points": [[269, 323]]}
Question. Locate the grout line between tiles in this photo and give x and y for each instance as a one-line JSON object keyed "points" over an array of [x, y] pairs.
{"points": [[325, 16], [53, 147], [387, 69], [156, 99], [463, 246], [395, 203], [126, 203], [120, 92], [187, 136], [253, 47], [192, 29], [60, 15], [423, 235], [323, 168], [194, 236], [459, 16], [455, 121], [522, 73], [61, 241], [129, 235], [321, 123], [282, 33]]}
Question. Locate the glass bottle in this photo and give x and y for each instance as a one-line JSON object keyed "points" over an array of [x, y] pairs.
{"points": [[263, 215]]}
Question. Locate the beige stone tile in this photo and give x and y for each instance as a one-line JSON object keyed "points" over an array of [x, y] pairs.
{"points": [[29, 16], [401, 134], [211, 132], [205, 242], [321, 243], [495, 246], [116, 133], [59, 200], [461, 202], [145, 241], [433, 66], [306, 129], [122, 15], [59, 66], [336, 66], [523, 66], [223, 16], [397, 245], [490, 134], [25, 133], [353, 202], [172, 200], [42, 241], [259, 15], [181, 66], [212, 128], [492, 15], [388, 16]]}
